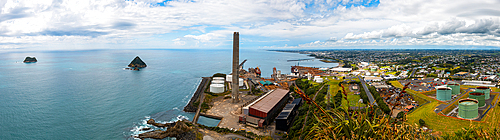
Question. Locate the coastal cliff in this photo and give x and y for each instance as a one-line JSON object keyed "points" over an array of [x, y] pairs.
{"points": [[30, 60], [137, 63]]}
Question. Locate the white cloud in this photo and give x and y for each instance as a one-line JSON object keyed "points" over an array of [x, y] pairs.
{"points": [[210, 23]]}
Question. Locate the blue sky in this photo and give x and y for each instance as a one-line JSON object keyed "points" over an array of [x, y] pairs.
{"points": [[209, 24]]}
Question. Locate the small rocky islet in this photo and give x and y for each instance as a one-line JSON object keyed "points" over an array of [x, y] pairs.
{"points": [[136, 64], [29, 59]]}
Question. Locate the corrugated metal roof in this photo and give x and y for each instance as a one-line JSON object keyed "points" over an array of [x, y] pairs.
{"points": [[267, 103], [297, 101], [283, 115], [289, 107], [269, 83], [262, 82]]}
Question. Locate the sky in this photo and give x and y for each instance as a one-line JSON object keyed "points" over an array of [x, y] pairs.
{"points": [[262, 24]]}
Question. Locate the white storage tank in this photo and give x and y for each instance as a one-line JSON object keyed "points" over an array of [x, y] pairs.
{"points": [[217, 82], [240, 82], [218, 79], [318, 80], [229, 78], [216, 88]]}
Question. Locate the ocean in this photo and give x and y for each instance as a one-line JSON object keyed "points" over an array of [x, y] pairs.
{"points": [[89, 95]]}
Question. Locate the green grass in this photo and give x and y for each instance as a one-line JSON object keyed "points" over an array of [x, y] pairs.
{"points": [[351, 98], [436, 68], [392, 73]]}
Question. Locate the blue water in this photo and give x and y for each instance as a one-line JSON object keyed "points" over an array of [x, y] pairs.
{"points": [[89, 95]]}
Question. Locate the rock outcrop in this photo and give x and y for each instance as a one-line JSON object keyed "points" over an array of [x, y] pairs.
{"points": [[30, 60], [180, 131], [137, 63], [152, 122]]}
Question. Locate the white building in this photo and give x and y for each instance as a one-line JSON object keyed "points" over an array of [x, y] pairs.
{"points": [[341, 69]]}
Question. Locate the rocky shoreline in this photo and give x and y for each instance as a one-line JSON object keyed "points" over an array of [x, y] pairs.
{"points": [[178, 129]]}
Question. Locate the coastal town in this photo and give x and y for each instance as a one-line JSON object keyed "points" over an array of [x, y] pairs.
{"points": [[437, 90]]}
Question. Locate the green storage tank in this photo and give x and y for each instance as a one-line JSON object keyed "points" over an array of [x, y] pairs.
{"points": [[443, 93], [455, 88], [485, 90], [479, 96], [468, 108]]}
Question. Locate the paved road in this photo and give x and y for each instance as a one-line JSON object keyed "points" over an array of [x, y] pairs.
{"points": [[368, 93], [234, 136], [413, 72]]}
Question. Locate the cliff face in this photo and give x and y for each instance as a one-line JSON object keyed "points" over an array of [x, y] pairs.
{"points": [[137, 62], [29, 59]]}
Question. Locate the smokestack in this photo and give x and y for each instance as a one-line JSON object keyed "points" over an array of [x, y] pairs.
{"points": [[236, 59]]}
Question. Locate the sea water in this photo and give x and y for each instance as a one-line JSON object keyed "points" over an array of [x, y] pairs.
{"points": [[89, 94]]}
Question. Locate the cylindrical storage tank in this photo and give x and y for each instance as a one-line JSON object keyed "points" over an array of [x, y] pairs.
{"points": [[468, 108], [229, 78], [455, 88], [319, 80], [485, 90], [216, 88], [217, 82], [443, 93], [240, 82], [218, 78], [479, 96]]}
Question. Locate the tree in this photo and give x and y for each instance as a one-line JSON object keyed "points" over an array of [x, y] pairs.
{"points": [[337, 99], [421, 122], [400, 115]]}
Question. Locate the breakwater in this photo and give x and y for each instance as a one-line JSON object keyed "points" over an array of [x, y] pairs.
{"points": [[201, 88]]}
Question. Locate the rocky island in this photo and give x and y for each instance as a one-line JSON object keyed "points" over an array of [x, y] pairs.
{"points": [[136, 64], [30, 60]]}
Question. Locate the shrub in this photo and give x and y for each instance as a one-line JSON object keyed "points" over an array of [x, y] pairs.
{"points": [[421, 122]]}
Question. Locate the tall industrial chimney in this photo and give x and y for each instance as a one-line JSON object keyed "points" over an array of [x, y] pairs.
{"points": [[236, 59]]}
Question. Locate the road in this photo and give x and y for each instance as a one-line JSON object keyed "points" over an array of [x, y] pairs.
{"points": [[234, 136], [413, 72], [368, 93]]}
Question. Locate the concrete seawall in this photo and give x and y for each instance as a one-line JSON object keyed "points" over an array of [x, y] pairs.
{"points": [[201, 88]]}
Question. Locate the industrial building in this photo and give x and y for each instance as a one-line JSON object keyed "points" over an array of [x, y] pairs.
{"points": [[263, 110], [297, 102], [285, 118]]}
